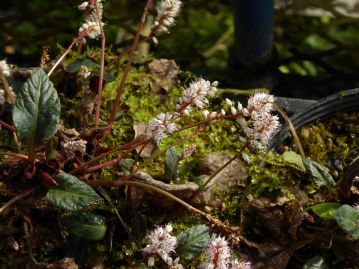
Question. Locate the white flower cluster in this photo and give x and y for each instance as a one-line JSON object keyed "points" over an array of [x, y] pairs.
{"points": [[84, 72], [4, 68], [91, 27], [161, 127], [196, 94], [188, 152], [217, 254], [3, 97], [71, 147], [261, 124], [161, 242], [167, 10]]}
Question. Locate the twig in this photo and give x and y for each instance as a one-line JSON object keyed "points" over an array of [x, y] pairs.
{"points": [[131, 145], [292, 130], [16, 198], [102, 69], [62, 57], [217, 223], [8, 93], [128, 67]]}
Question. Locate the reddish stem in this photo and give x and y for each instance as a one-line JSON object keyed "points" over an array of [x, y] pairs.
{"points": [[121, 87], [102, 69]]}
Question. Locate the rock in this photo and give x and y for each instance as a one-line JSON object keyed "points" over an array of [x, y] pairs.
{"points": [[226, 182]]}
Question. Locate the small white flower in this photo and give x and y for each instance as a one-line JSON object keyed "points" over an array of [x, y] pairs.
{"points": [[84, 72], [245, 157], [228, 102], [83, 6], [233, 110], [167, 10], [205, 113], [2, 97], [223, 112], [71, 147], [196, 94], [217, 254], [161, 127], [239, 106], [4, 68], [161, 242]]}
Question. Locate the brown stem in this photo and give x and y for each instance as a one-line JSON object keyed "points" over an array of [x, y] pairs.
{"points": [[190, 208], [128, 67], [16, 198], [131, 145], [292, 130], [8, 93], [102, 69], [62, 57], [7, 126]]}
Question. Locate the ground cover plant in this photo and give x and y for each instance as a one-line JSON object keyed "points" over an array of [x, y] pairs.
{"points": [[123, 161]]}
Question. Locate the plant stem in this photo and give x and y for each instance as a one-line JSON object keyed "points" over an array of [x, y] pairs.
{"points": [[102, 69], [128, 67], [8, 93], [131, 145], [62, 57], [7, 126], [16, 198], [292, 130], [217, 223]]}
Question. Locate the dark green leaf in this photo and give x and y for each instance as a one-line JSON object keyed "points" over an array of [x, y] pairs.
{"points": [[71, 194], [319, 174], [316, 262], [108, 77], [75, 66], [192, 242], [138, 225], [347, 218], [87, 226], [36, 114], [171, 165], [325, 211], [295, 159]]}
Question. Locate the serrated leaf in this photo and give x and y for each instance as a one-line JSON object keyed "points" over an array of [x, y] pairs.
{"points": [[316, 262], [36, 114], [171, 165], [295, 159], [72, 194], [88, 226], [325, 211], [192, 242], [319, 174], [347, 218], [75, 66]]}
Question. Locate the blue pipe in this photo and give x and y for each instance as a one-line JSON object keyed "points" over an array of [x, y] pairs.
{"points": [[254, 20]]}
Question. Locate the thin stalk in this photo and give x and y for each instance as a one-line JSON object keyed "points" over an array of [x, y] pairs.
{"points": [[190, 208], [131, 145], [292, 130], [62, 57], [7, 126], [8, 93], [16, 198], [128, 67], [102, 69]]}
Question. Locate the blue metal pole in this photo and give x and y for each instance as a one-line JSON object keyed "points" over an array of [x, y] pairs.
{"points": [[254, 20]]}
